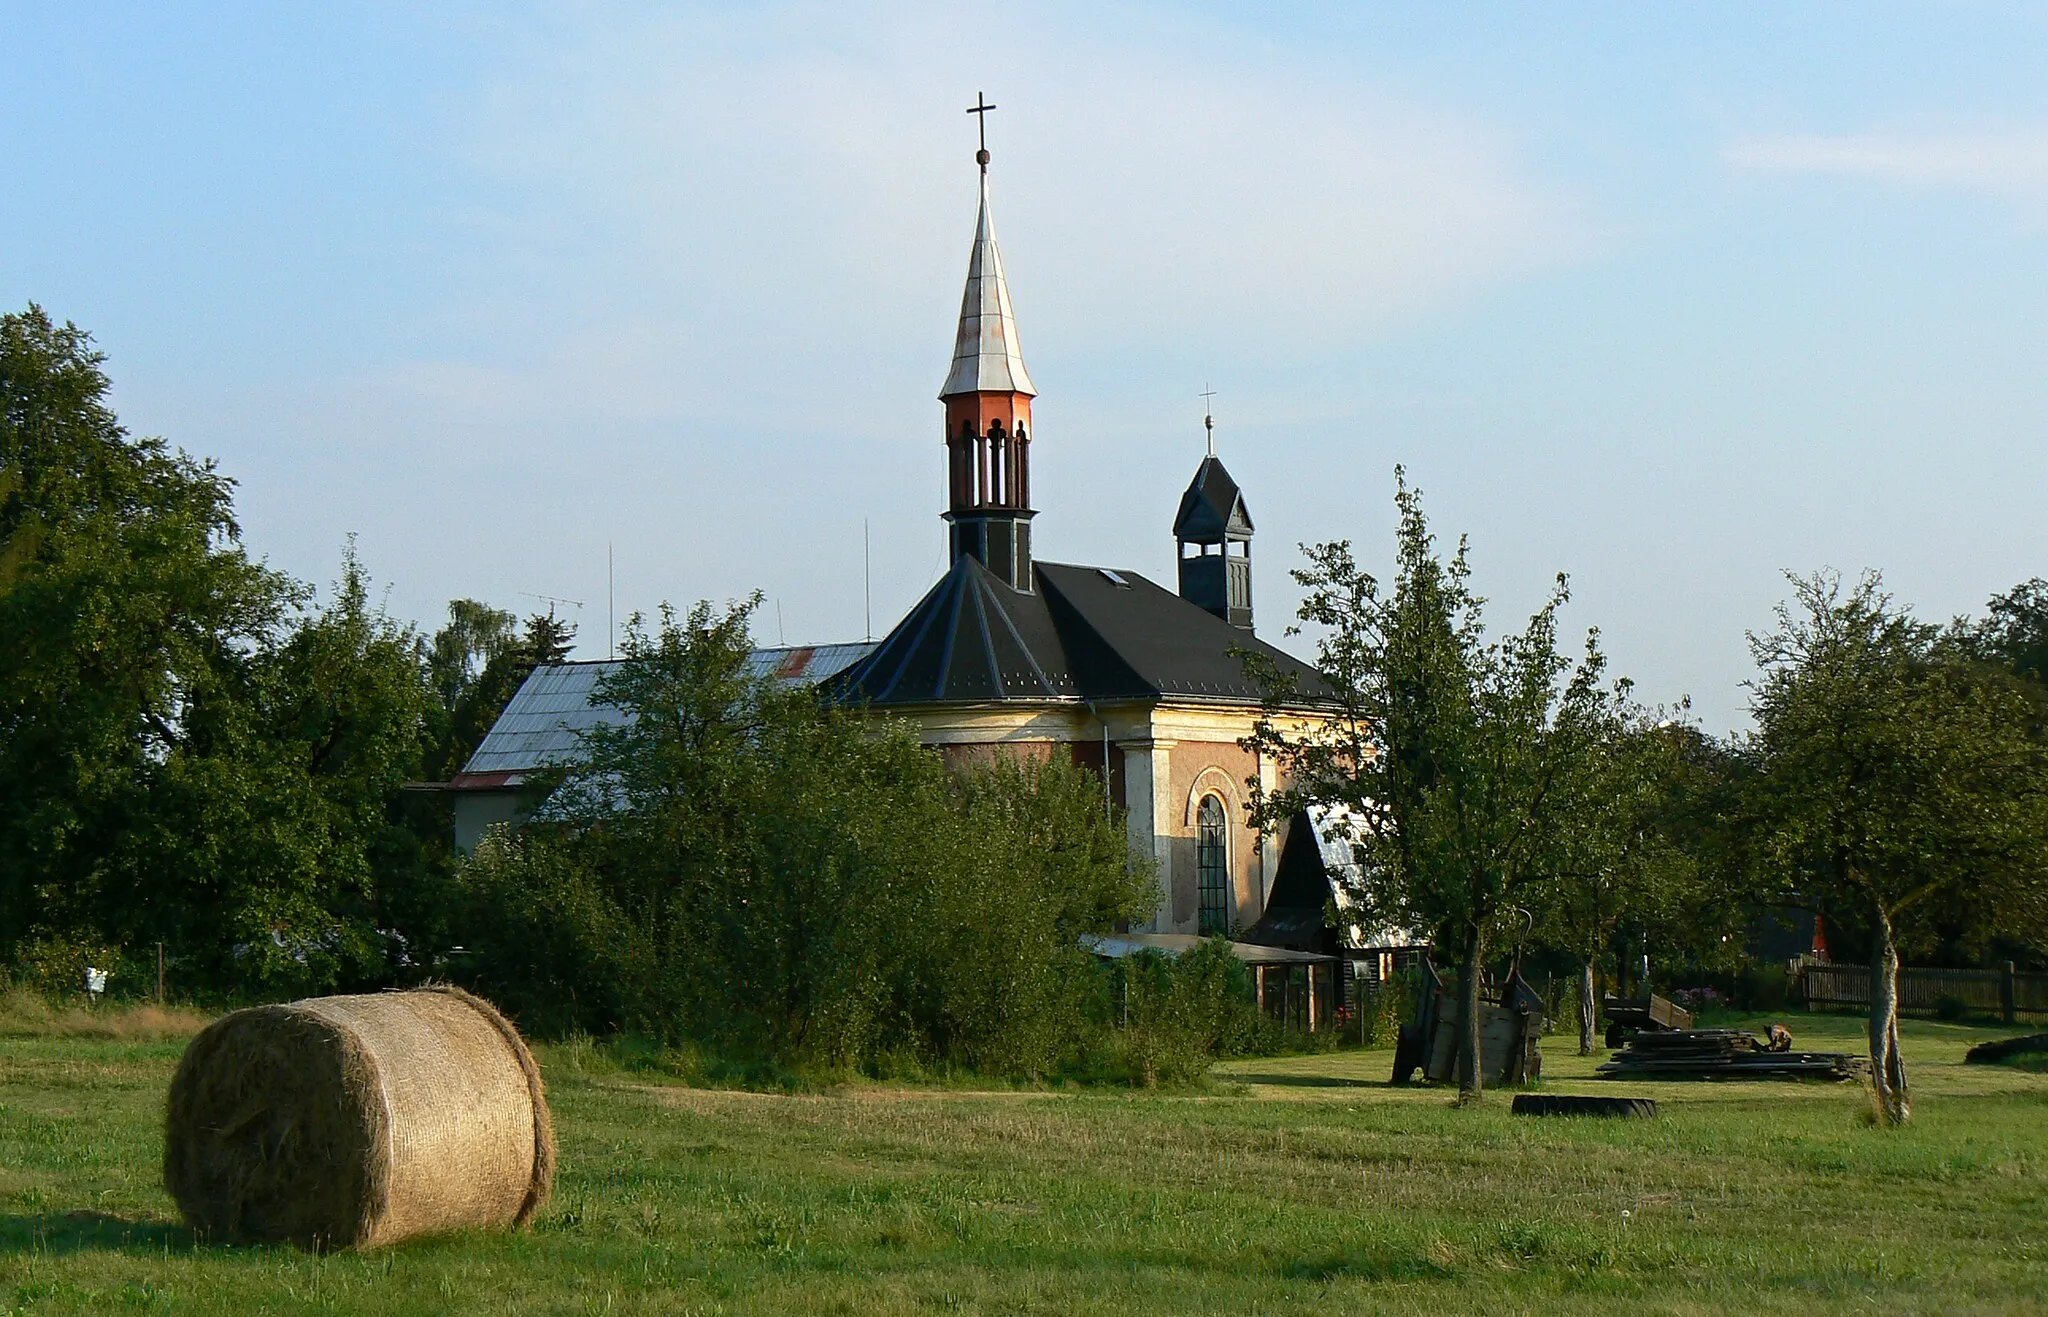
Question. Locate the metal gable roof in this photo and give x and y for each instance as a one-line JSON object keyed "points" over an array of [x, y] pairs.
{"points": [[540, 725], [1169, 646]]}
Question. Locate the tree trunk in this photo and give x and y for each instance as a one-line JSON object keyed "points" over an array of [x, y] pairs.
{"points": [[1470, 1072], [1887, 1065], [1588, 1009]]}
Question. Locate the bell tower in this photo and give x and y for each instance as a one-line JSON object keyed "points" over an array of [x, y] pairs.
{"points": [[988, 396], [1213, 531]]}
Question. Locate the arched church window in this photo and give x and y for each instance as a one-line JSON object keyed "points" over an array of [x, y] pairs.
{"points": [[1212, 864]]}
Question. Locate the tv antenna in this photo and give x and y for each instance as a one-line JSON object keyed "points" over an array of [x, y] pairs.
{"points": [[550, 599]]}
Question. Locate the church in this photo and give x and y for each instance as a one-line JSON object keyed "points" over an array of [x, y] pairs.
{"points": [[1012, 654]]}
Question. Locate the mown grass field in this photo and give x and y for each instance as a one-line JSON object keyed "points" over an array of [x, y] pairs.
{"points": [[1295, 1185]]}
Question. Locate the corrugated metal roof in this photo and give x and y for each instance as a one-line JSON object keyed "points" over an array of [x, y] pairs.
{"points": [[540, 725]]}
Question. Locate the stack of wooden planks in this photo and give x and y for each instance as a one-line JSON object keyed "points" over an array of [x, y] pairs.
{"points": [[1723, 1054]]}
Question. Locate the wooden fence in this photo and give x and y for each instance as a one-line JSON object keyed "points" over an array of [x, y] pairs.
{"points": [[2001, 992]]}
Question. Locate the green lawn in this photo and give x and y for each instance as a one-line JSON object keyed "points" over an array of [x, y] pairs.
{"points": [[1303, 1184]]}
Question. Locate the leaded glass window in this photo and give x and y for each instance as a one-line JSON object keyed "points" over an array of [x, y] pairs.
{"points": [[1212, 863]]}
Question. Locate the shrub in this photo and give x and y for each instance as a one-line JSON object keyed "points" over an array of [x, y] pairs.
{"points": [[1175, 1015], [742, 867], [1383, 1007]]}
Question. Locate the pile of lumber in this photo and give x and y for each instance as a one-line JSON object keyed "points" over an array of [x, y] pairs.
{"points": [[1723, 1054]]}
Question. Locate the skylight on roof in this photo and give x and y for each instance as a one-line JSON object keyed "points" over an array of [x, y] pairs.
{"points": [[1114, 578]]}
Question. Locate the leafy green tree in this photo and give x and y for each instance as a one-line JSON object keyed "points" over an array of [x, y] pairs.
{"points": [[189, 752], [476, 678], [750, 868], [2014, 631], [267, 842], [475, 634], [1466, 757], [1627, 856], [1893, 778], [126, 605]]}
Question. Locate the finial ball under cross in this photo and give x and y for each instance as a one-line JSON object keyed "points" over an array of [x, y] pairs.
{"points": [[980, 110]]}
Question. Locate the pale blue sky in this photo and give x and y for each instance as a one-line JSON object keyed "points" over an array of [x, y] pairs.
{"points": [[1669, 297]]}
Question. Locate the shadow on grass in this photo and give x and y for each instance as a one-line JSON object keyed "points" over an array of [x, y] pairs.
{"points": [[1304, 1081], [85, 1232]]}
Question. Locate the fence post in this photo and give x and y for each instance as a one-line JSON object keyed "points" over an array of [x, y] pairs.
{"points": [[2008, 998]]}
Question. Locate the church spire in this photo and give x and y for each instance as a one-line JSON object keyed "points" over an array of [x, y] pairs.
{"points": [[988, 397], [986, 358]]}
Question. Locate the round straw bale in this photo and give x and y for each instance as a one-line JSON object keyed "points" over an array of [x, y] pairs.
{"points": [[353, 1122]]}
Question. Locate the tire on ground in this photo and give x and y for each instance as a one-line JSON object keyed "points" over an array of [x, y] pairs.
{"points": [[1570, 1104]]}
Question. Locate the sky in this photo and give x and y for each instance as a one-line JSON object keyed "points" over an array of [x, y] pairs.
{"points": [[1673, 299]]}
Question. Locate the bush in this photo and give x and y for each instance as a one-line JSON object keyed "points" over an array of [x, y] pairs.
{"points": [[544, 941], [744, 869], [54, 967], [1384, 1007], [1173, 1016]]}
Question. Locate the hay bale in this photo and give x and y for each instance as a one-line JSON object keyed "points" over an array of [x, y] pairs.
{"points": [[353, 1122]]}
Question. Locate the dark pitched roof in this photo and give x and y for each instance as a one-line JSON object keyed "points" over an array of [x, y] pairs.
{"points": [[971, 638], [1213, 504], [1086, 634], [1170, 646]]}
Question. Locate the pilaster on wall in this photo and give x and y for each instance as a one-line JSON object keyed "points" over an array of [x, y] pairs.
{"points": [[1148, 779]]}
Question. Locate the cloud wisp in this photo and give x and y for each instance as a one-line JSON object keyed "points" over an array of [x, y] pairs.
{"points": [[714, 193], [2011, 162]]}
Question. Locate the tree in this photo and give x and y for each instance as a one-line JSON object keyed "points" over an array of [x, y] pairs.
{"points": [[1894, 778], [189, 751], [1622, 859], [740, 863], [2014, 631], [476, 633], [126, 602], [266, 844], [478, 663], [1465, 758]]}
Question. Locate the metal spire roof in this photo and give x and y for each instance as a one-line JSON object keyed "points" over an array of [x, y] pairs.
{"points": [[986, 358]]}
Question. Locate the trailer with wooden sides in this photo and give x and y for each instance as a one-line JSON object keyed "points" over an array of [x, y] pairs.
{"points": [[1628, 1016], [1510, 1029]]}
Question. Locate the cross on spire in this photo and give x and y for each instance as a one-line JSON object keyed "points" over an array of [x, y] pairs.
{"points": [[1209, 417], [980, 110]]}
